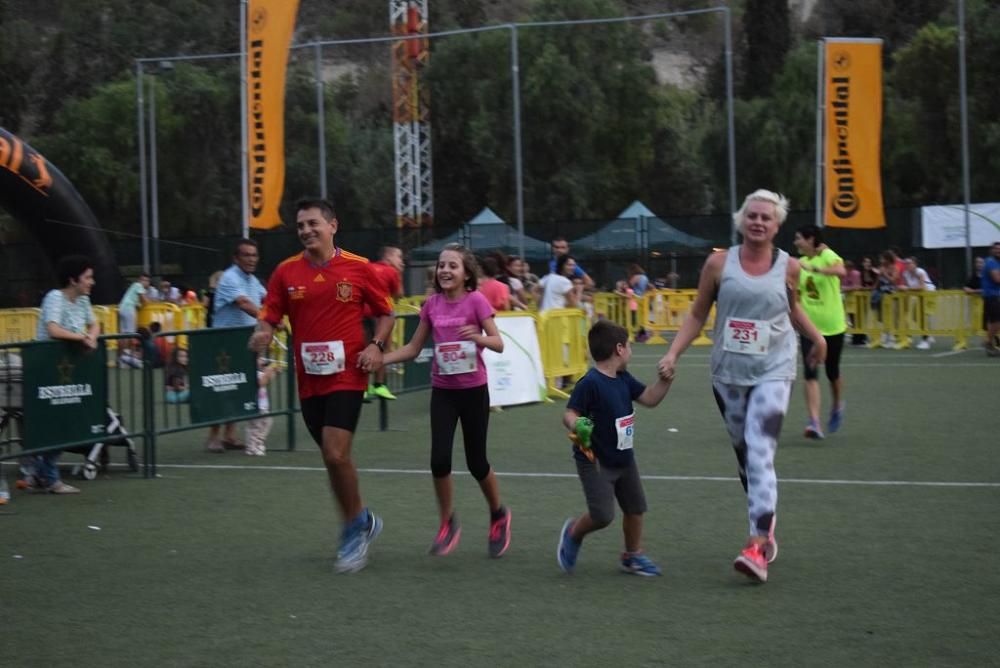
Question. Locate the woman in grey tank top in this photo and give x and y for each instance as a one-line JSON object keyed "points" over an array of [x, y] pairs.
{"points": [[754, 288]]}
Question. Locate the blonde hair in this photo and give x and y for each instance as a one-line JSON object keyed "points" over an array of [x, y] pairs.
{"points": [[779, 201]]}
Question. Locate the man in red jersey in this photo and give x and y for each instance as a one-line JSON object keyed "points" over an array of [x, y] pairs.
{"points": [[323, 291], [389, 269]]}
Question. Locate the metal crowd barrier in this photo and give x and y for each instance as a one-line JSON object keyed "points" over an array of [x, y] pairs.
{"points": [[562, 336]]}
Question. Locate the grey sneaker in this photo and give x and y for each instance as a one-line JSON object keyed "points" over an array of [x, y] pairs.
{"points": [[59, 487]]}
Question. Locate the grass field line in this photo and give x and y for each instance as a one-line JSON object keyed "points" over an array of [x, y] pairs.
{"points": [[675, 478], [877, 365]]}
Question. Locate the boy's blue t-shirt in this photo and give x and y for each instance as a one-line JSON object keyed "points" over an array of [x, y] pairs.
{"points": [[608, 402]]}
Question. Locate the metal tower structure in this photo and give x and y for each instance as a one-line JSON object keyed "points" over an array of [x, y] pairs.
{"points": [[411, 115]]}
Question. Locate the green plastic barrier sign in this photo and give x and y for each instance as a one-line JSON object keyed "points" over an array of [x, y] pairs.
{"points": [[64, 393], [222, 375]]}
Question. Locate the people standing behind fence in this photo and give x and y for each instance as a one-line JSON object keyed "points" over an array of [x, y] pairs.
{"points": [[586, 298], [852, 277], [155, 350], [869, 274], [821, 270], [505, 275], [754, 289], [238, 299], [462, 323], [638, 282], [497, 294], [322, 291], [520, 292], [135, 297], [167, 293], [257, 429], [852, 283], [208, 296], [556, 289], [175, 377], [66, 316], [916, 279], [560, 248], [887, 279], [991, 299], [519, 269], [899, 263], [601, 419]]}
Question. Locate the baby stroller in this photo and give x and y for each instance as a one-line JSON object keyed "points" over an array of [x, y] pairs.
{"points": [[96, 456]]}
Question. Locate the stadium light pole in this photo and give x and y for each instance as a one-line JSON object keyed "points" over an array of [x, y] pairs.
{"points": [[515, 77], [963, 106], [143, 195], [154, 195], [163, 66]]}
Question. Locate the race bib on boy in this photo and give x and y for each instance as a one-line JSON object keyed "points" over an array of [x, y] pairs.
{"points": [[323, 359], [455, 357], [625, 426], [746, 337]]}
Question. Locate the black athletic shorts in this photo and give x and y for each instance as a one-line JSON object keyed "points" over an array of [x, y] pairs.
{"points": [[337, 409], [991, 309]]}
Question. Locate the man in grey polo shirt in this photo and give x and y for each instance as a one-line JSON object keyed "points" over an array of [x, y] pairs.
{"points": [[238, 298]]}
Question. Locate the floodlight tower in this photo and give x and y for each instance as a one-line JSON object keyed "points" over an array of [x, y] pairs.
{"points": [[411, 115]]}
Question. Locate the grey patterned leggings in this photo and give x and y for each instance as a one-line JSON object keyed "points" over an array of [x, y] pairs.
{"points": [[753, 416]]}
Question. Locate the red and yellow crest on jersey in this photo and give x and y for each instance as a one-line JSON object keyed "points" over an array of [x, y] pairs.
{"points": [[345, 291]]}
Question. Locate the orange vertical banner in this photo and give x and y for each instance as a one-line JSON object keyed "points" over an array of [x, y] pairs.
{"points": [[852, 182], [270, 24]]}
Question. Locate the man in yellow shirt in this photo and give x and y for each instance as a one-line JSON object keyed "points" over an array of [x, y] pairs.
{"points": [[819, 294]]}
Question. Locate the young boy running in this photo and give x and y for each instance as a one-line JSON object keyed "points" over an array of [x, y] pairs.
{"points": [[601, 418]]}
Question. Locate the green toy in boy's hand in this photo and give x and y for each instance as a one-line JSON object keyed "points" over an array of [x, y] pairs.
{"points": [[582, 429]]}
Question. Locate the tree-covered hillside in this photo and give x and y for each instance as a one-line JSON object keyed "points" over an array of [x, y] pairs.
{"points": [[604, 122]]}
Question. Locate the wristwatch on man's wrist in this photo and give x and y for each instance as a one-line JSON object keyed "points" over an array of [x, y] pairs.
{"points": [[378, 342]]}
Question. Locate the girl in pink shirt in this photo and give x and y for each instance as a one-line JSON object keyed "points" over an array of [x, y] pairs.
{"points": [[461, 322]]}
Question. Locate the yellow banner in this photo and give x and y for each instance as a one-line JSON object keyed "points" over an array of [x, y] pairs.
{"points": [[269, 32], [853, 134]]}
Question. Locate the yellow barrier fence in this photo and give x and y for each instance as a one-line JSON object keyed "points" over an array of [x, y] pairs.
{"points": [[902, 316], [18, 324], [664, 311], [562, 336], [614, 307]]}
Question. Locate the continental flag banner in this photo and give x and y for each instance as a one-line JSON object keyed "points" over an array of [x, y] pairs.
{"points": [[852, 140], [269, 32]]}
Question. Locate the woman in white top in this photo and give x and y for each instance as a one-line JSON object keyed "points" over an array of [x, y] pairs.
{"points": [[754, 287], [67, 316], [915, 278], [557, 290]]}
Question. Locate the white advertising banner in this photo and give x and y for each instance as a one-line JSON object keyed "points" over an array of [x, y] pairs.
{"points": [[516, 376], [944, 226]]}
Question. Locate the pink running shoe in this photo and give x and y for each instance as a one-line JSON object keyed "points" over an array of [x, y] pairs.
{"points": [[752, 563], [447, 537]]}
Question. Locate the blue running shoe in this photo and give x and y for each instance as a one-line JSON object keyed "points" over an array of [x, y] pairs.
{"points": [[836, 418], [569, 549], [353, 553], [637, 563], [373, 526]]}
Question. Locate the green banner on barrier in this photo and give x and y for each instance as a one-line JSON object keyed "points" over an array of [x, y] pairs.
{"points": [[64, 392], [222, 375]]}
